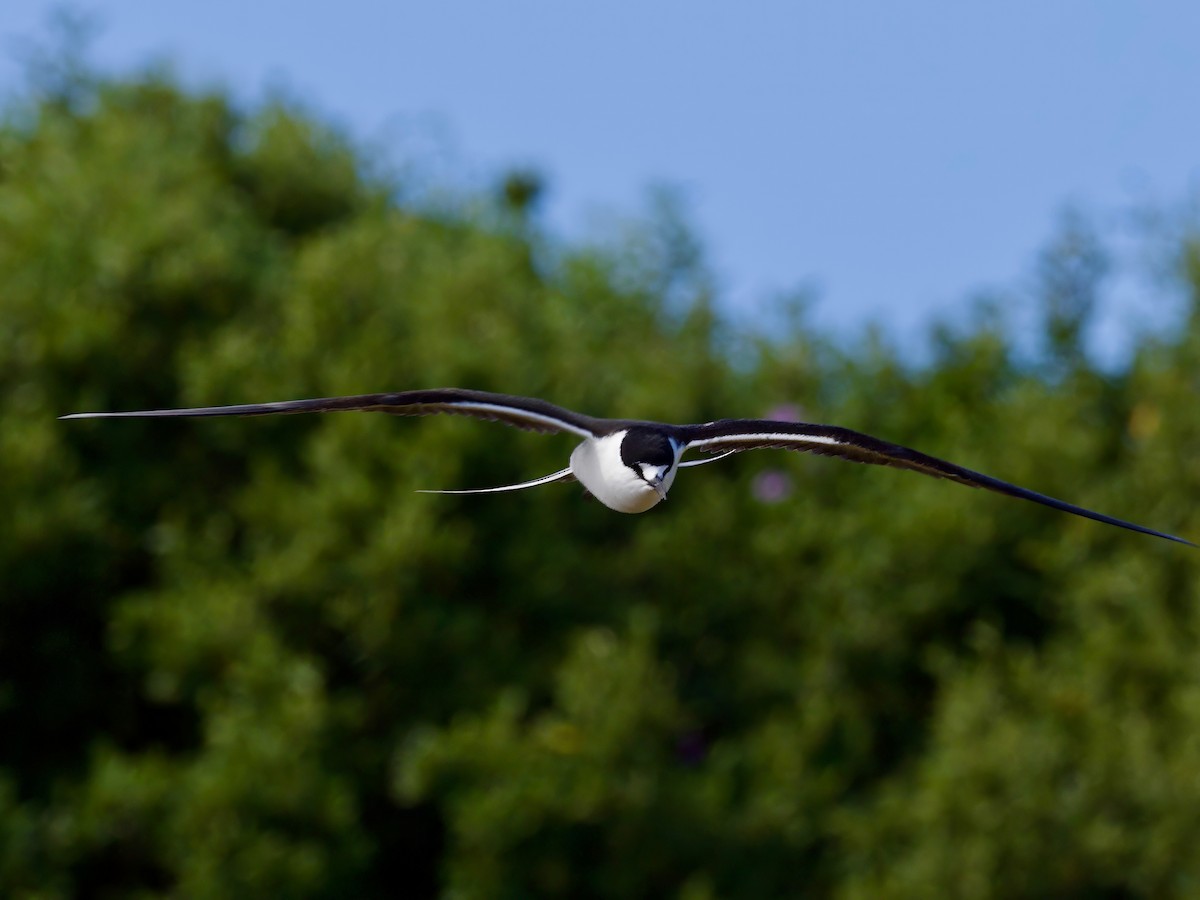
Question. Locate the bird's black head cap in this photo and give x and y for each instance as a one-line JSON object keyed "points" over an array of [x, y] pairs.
{"points": [[645, 445]]}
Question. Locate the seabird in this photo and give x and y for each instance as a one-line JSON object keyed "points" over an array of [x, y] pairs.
{"points": [[629, 465]]}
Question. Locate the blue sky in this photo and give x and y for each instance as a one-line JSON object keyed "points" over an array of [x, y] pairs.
{"points": [[900, 157]]}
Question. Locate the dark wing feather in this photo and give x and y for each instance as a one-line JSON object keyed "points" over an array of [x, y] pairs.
{"points": [[523, 412], [830, 440]]}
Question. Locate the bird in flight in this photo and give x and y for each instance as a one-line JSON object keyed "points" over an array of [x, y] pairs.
{"points": [[630, 464]]}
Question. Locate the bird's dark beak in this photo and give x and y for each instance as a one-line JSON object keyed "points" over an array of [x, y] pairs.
{"points": [[658, 482]]}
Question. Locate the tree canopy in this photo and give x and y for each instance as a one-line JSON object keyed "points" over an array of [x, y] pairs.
{"points": [[245, 658]]}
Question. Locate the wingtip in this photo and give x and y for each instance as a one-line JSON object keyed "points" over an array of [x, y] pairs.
{"points": [[133, 414], [1165, 536], [1161, 534]]}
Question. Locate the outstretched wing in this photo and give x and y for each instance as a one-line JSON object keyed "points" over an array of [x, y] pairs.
{"points": [[524, 412], [830, 440]]}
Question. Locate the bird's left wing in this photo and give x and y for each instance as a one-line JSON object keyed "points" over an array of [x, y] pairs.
{"points": [[529, 413], [830, 440]]}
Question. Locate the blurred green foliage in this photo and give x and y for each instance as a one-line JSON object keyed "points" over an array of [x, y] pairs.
{"points": [[244, 658]]}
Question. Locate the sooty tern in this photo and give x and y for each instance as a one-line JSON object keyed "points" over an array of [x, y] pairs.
{"points": [[628, 464]]}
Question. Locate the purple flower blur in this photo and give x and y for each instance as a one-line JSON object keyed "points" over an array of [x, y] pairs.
{"points": [[691, 748], [772, 486], [786, 412]]}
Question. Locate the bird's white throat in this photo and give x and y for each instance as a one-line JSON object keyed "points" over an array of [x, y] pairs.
{"points": [[598, 465]]}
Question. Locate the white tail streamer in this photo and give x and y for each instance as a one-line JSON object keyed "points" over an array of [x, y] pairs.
{"points": [[560, 475]]}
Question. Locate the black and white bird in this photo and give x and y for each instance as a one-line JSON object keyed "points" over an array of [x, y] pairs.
{"points": [[629, 465]]}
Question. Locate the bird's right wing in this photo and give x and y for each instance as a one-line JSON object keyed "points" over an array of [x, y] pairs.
{"points": [[529, 413]]}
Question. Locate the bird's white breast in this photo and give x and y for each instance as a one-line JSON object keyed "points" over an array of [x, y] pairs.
{"points": [[598, 466]]}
